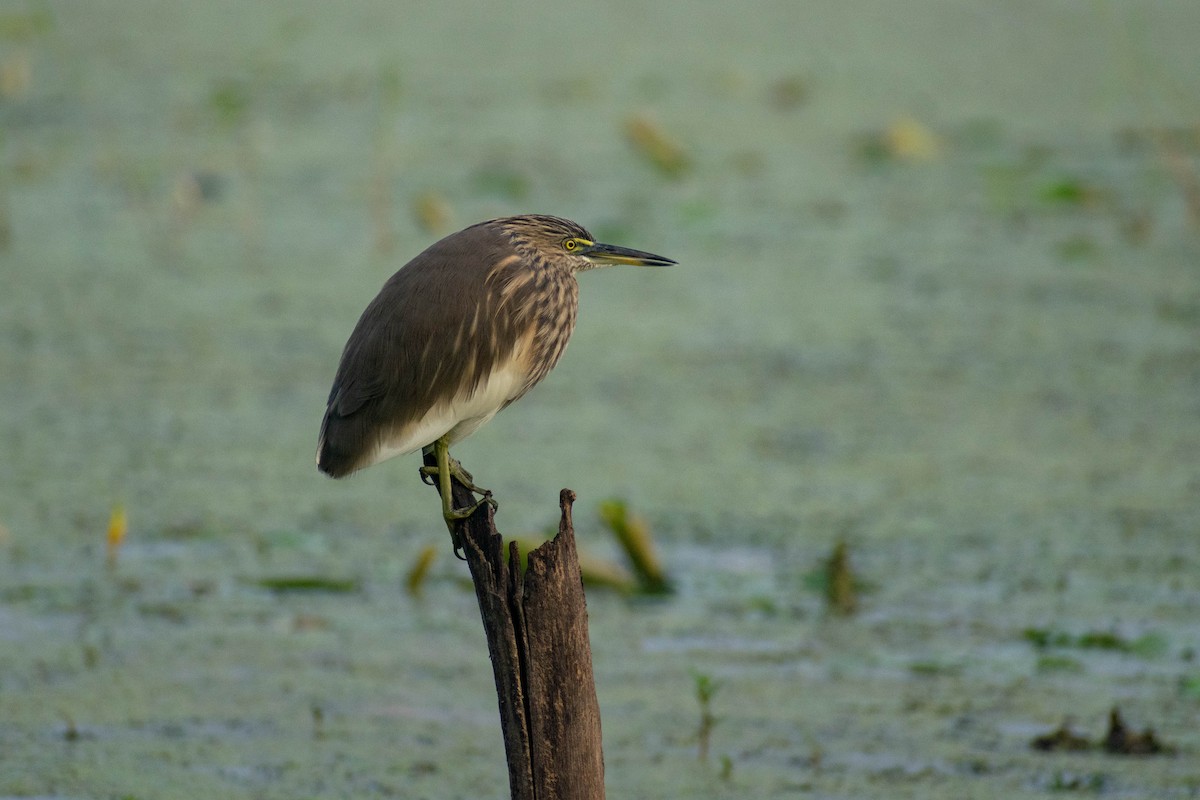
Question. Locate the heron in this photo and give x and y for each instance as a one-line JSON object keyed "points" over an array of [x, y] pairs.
{"points": [[457, 334]]}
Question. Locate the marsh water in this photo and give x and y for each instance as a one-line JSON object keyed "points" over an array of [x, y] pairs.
{"points": [[938, 297]]}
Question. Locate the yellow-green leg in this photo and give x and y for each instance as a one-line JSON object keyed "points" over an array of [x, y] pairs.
{"points": [[447, 467]]}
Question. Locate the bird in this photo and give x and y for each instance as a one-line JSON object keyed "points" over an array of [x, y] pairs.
{"points": [[457, 334]]}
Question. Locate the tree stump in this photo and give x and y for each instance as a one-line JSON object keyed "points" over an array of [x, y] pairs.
{"points": [[537, 636]]}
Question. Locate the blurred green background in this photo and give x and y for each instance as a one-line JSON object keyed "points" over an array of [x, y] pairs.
{"points": [[938, 296]]}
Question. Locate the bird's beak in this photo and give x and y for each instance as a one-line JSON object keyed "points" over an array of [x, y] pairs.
{"points": [[605, 254]]}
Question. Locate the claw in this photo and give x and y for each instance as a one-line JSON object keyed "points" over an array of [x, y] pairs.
{"points": [[455, 515]]}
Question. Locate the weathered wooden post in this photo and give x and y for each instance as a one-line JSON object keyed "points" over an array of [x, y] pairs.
{"points": [[537, 637]]}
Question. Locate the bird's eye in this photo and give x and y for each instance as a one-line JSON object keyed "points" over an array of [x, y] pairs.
{"points": [[569, 245]]}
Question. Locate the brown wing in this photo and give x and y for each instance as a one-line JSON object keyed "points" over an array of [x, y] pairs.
{"points": [[437, 327]]}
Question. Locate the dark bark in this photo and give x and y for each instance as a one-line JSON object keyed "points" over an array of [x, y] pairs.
{"points": [[536, 628]]}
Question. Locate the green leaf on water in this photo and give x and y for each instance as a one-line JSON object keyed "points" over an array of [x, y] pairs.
{"points": [[1147, 645], [309, 583], [1055, 663], [230, 102], [1067, 191], [21, 26]]}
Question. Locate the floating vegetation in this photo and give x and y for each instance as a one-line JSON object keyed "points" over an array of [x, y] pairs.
{"points": [[837, 581], [71, 731], [318, 721], [934, 669], [23, 26], [1120, 739], [414, 582], [904, 139], [432, 212], [118, 527], [1057, 663], [909, 140], [706, 689], [1147, 645], [230, 102], [840, 590], [1093, 782], [309, 583], [1072, 191], [634, 536], [656, 147], [1061, 740], [16, 74]]}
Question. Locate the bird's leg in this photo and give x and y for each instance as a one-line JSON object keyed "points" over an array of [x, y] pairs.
{"points": [[445, 469], [458, 472]]}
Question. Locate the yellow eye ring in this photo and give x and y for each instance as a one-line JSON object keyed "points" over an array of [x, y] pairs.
{"points": [[569, 245]]}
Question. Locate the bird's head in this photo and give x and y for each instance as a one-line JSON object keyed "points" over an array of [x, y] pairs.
{"points": [[564, 243]]}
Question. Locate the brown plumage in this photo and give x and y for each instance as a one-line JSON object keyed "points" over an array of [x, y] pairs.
{"points": [[458, 333]]}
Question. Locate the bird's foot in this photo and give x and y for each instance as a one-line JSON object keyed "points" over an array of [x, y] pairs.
{"points": [[448, 470], [455, 515], [429, 477], [440, 475]]}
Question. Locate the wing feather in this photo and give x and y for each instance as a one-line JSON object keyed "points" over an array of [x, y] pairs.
{"points": [[437, 329]]}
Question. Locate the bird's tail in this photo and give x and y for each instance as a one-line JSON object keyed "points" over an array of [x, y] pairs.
{"points": [[334, 460]]}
